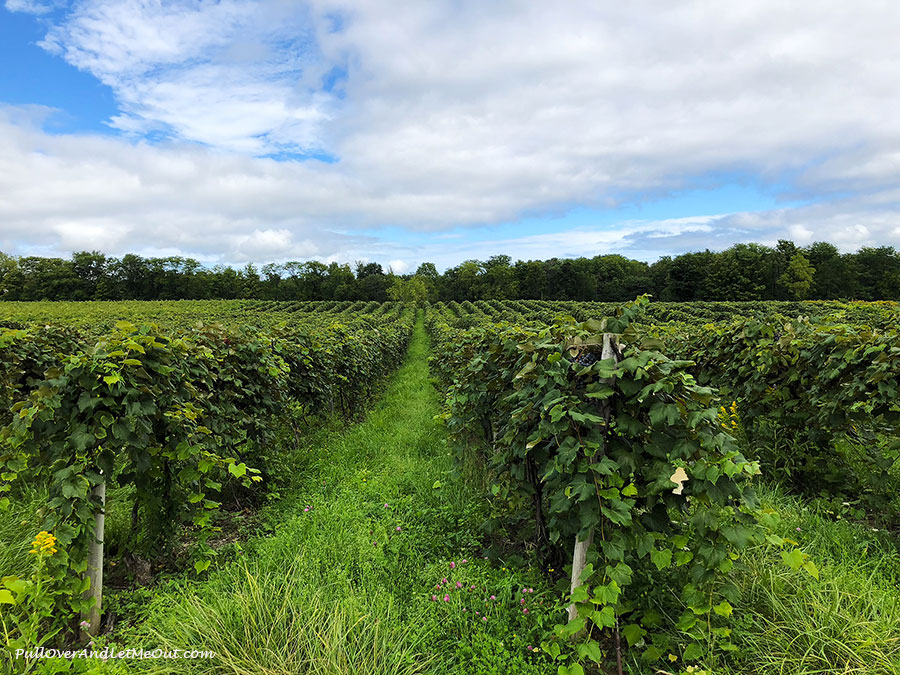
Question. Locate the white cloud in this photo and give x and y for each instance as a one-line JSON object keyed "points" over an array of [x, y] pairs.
{"points": [[270, 245], [398, 266], [37, 7], [459, 114], [226, 74]]}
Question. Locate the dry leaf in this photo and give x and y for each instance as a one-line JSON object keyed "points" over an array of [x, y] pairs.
{"points": [[679, 477]]}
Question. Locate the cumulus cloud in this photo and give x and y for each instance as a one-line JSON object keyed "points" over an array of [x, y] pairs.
{"points": [[448, 115]]}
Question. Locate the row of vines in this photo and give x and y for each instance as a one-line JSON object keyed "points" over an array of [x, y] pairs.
{"points": [[175, 419], [613, 445]]}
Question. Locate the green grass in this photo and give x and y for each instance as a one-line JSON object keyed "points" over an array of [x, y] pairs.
{"points": [[18, 525], [848, 621]]}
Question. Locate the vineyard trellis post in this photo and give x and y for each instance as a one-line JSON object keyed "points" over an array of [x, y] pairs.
{"points": [[95, 565], [579, 553]]}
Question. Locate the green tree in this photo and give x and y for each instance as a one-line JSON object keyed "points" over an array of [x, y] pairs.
{"points": [[737, 274], [9, 268], [797, 279], [413, 291], [428, 273], [90, 268], [833, 275], [531, 279], [498, 279]]}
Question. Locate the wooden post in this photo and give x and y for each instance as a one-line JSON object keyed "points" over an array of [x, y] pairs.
{"points": [[579, 554], [95, 567]]}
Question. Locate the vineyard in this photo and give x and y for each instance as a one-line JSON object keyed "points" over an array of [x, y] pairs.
{"points": [[493, 486]]}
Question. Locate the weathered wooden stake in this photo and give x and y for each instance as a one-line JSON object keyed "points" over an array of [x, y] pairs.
{"points": [[579, 554], [95, 567]]}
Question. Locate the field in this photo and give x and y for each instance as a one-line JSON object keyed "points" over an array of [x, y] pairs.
{"points": [[357, 487]]}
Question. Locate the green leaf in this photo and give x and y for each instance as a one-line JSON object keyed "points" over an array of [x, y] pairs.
{"points": [[723, 608], [633, 633], [686, 621], [652, 653], [606, 594], [556, 413], [811, 568], [574, 627], [6, 598], [662, 559], [201, 565], [16, 585], [527, 369], [436, 485], [580, 594], [590, 650], [237, 470], [793, 558], [605, 618], [692, 652]]}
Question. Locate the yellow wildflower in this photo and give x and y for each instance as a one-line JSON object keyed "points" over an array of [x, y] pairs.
{"points": [[44, 544], [673, 658]]}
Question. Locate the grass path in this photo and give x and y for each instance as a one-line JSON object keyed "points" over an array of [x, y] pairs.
{"points": [[345, 584]]}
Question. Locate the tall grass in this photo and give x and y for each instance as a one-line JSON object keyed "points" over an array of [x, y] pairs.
{"points": [[847, 621], [262, 623], [18, 525]]}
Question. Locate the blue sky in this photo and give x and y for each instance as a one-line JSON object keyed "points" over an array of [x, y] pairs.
{"points": [[237, 130], [32, 76]]}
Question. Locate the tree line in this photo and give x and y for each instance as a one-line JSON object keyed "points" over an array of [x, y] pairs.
{"points": [[743, 272]]}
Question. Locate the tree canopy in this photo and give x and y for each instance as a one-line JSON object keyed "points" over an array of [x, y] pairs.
{"points": [[743, 272]]}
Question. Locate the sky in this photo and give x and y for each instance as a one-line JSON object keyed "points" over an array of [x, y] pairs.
{"points": [[271, 130]]}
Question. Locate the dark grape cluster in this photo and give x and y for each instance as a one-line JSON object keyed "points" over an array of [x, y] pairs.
{"points": [[586, 359]]}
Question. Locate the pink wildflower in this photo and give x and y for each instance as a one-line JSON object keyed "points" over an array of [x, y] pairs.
{"points": [[493, 597], [459, 584], [525, 610], [452, 565], [522, 601], [444, 580], [398, 528], [434, 598], [464, 561], [484, 618], [446, 598]]}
